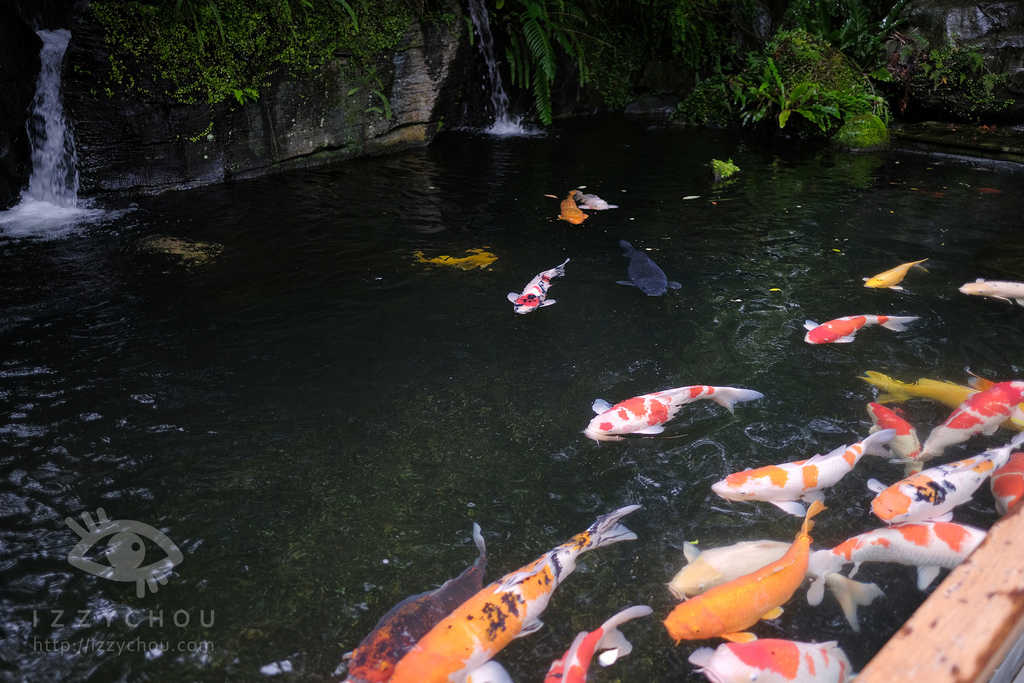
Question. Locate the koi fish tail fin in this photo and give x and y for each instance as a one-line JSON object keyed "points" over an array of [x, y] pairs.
{"points": [[816, 507], [851, 595], [607, 530], [613, 640], [560, 269], [892, 388], [875, 443], [898, 323], [478, 538], [728, 397]]}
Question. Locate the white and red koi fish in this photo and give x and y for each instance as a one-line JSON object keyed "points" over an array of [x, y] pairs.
{"points": [[399, 629], [981, 413], [904, 446], [930, 546], [536, 292], [933, 493], [783, 485], [572, 668], [842, 330], [506, 609], [646, 414], [772, 660], [1008, 483]]}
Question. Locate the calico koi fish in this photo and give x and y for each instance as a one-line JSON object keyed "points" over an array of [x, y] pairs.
{"points": [[536, 292], [718, 565], [571, 212], [930, 546], [996, 289], [502, 611], [981, 413], [904, 445], [894, 276], [1008, 483], [842, 330], [772, 660], [933, 493], [726, 610], [572, 668], [783, 485], [646, 414], [398, 630]]}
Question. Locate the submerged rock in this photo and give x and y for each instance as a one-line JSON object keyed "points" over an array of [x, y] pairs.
{"points": [[862, 133], [190, 252]]}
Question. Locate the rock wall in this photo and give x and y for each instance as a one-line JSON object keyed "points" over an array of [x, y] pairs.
{"points": [[130, 141]]}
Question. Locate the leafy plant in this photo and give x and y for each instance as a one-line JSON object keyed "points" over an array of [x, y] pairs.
{"points": [[958, 76], [856, 36]]}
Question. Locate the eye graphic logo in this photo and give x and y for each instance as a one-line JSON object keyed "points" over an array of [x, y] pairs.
{"points": [[125, 551]]}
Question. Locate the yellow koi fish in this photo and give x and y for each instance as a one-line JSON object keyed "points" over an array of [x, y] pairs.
{"points": [[479, 259], [506, 609], [894, 276]]}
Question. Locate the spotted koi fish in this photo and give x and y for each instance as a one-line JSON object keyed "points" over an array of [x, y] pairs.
{"points": [[398, 630], [930, 546], [571, 212], [933, 493], [1008, 483], [646, 414], [783, 485], [536, 292], [904, 446], [773, 661], [842, 330], [572, 668], [981, 413], [727, 610], [506, 609]]}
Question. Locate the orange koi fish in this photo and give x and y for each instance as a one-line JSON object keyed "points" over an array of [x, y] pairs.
{"points": [[786, 484], [933, 493], [894, 276], [904, 446], [398, 630], [645, 414], [842, 330], [772, 660], [1008, 483], [981, 413], [506, 609], [571, 212], [572, 668], [726, 610]]}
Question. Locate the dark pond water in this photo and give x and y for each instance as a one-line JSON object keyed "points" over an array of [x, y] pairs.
{"points": [[316, 419]]}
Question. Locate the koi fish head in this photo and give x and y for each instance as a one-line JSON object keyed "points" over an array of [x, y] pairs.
{"points": [[691, 620], [601, 431]]}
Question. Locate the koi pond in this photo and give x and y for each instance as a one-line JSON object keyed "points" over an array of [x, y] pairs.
{"points": [[284, 383]]}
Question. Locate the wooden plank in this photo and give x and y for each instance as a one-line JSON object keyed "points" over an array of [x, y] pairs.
{"points": [[966, 627]]}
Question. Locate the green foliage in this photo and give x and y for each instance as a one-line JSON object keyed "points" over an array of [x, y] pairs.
{"points": [[849, 28], [958, 76], [710, 103], [723, 169], [216, 50]]}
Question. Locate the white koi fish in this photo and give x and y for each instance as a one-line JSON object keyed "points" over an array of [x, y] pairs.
{"points": [[930, 546], [506, 609], [592, 202], [783, 485], [572, 667], [536, 292], [980, 413], [842, 330], [646, 414], [771, 660], [716, 566], [1008, 483], [996, 289], [933, 493]]}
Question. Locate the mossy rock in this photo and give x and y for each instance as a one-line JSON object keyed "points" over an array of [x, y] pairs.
{"points": [[862, 133], [723, 169]]}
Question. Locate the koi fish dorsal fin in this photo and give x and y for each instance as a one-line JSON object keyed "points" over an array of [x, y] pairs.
{"points": [[741, 637]]}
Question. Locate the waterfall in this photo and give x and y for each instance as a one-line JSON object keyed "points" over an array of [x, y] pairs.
{"points": [[504, 123], [54, 175], [49, 207]]}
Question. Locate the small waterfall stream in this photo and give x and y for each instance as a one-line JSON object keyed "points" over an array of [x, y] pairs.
{"points": [[504, 123], [54, 175]]}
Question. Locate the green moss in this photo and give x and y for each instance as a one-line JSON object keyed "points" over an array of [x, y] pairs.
{"points": [[723, 169], [862, 133], [215, 50]]}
